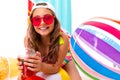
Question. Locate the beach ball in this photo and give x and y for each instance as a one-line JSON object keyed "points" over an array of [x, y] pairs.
{"points": [[95, 46]]}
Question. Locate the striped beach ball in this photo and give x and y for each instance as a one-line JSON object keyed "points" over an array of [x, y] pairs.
{"points": [[95, 47]]}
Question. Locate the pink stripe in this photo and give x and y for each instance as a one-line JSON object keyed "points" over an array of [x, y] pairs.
{"points": [[116, 21], [87, 69], [105, 27]]}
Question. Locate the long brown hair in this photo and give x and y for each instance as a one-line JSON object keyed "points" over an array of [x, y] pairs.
{"points": [[33, 39]]}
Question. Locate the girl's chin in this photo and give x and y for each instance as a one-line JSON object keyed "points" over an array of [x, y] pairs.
{"points": [[44, 33]]}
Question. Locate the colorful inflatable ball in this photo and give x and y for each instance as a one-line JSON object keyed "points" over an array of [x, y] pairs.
{"points": [[95, 45]]}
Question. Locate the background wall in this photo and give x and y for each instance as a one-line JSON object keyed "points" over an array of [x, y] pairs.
{"points": [[13, 17], [85, 9], [13, 22]]}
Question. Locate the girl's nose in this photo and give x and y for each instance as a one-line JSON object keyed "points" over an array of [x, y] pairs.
{"points": [[42, 22]]}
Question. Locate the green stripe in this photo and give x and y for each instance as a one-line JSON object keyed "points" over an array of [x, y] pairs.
{"points": [[92, 77]]}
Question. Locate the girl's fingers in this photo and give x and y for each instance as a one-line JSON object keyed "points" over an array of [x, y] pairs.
{"points": [[32, 69], [19, 64], [38, 54], [33, 61], [35, 69], [30, 64], [20, 67]]}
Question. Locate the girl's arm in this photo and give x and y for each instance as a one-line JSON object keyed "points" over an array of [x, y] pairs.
{"points": [[37, 65], [72, 70], [53, 68]]}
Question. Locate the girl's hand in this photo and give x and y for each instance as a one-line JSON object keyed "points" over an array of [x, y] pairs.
{"points": [[24, 54], [34, 63]]}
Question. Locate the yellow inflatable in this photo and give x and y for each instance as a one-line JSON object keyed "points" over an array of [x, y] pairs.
{"points": [[9, 71], [8, 68], [3, 68]]}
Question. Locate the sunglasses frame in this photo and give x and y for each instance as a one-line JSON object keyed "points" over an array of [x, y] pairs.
{"points": [[44, 18]]}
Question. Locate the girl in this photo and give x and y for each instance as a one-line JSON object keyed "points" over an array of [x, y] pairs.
{"points": [[44, 35]]}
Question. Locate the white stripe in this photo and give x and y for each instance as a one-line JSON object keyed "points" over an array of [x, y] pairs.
{"points": [[101, 36]]}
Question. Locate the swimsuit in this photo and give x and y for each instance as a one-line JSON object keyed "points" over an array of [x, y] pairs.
{"points": [[68, 55]]}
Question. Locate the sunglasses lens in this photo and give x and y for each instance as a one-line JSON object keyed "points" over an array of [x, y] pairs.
{"points": [[36, 21], [48, 19]]}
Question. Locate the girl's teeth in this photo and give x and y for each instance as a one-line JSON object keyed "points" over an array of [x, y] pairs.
{"points": [[43, 28]]}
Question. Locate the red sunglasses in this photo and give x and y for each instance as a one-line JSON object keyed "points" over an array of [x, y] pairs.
{"points": [[48, 19]]}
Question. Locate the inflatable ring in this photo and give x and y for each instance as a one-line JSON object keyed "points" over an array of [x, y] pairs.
{"points": [[9, 70]]}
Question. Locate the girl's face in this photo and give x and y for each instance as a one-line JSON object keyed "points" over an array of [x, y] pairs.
{"points": [[43, 21]]}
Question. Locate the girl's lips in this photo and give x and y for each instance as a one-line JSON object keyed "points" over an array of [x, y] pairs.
{"points": [[44, 28]]}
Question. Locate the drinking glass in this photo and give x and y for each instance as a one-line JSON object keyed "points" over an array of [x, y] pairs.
{"points": [[23, 55]]}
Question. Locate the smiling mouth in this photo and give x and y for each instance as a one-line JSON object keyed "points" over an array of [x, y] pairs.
{"points": [[44, 28]]}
